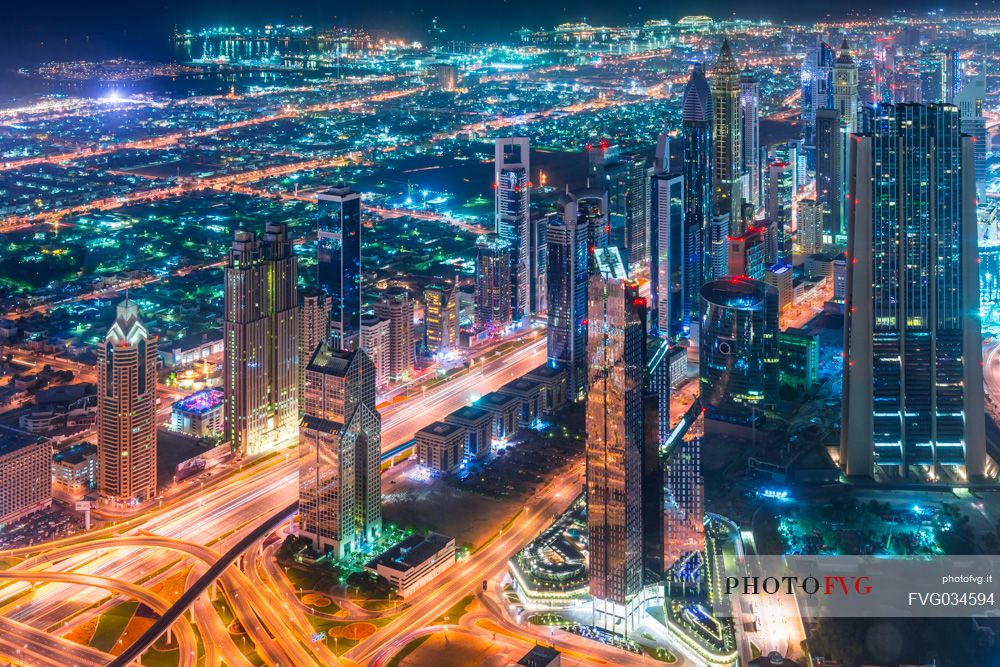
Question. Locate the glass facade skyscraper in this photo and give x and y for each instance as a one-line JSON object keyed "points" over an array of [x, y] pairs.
{"points": [[568, 261], [512, 184], [616, 350], [338, 249], [913, 379], [696, 131], [339, 449], [739, 350]]}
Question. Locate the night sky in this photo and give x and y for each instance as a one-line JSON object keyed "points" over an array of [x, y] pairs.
{"points": [[122, 27]]}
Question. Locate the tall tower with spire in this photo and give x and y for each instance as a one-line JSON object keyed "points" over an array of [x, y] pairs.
{"points": [[696, 129], [727, 150], [126, 409], [845, 89]]}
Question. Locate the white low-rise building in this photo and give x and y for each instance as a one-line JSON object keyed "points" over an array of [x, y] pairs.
{"points": [[415, 562]]}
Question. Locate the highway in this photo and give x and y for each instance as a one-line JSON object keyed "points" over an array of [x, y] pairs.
{"points": [[194, 513]]}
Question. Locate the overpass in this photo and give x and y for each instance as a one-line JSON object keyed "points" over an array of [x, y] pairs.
{"points": [[143, 643]]}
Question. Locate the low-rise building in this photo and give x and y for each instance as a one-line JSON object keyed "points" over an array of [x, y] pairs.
{"points": [[505, 410], [553, 380], [74, 469], [541, 656], [25, 474], [478, 424], [191, 349], [199, 415], [63, 406], [529, 392], [440, 446], [415, 562]]}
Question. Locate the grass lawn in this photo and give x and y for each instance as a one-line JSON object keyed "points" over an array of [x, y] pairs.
{"points": [[456, 611], [111, 626]]}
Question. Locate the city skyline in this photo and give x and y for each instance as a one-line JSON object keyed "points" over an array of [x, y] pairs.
{"points": [[491, 336]]}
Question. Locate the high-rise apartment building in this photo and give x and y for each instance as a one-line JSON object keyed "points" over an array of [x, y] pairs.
{"points": [[314, 328], [440, 318], [375, 334], [339, 449], [675, 264], [809, 233], [727, 133], [338, 249], [260, 322], [913, 378], [750, 128], [493, 283], [126, 409], [568, 264], [396, 307], [512, 183]]}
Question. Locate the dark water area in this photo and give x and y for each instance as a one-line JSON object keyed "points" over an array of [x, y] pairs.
{"points": [[465, 179]]}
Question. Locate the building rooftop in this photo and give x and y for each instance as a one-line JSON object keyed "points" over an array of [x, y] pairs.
{"points": [[75, 454], [495, 399], [546, 372], [440, 429], [736, 292], [12, 440], [328, 360], [469, 413], [539, 656], [313, 423], [521, 386], [411, 552], [66, 393], [201, 402]]}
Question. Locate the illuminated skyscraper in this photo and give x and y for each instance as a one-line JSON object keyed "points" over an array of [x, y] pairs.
{"points": [[261, 337], [592, 212], [781, 191], [339, 448], [696, 131], [913, 377], [810, 236], [624, 178], [512, 181], [726, 135], [675, 266], [396, 306], [338, 248], [440, 318], [845, 89], [375, 334], [126, 409], [817, 93], [493, 286], [830, 177], [616, 353], [750, 141], [314, 328], [739, 351], [568, 261], [970, 104]]}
